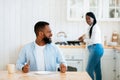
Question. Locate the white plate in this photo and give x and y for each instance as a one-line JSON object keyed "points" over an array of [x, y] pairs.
{"points": [[43, 72]]}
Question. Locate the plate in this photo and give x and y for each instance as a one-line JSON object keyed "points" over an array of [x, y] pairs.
{"points": [[43, 72]]}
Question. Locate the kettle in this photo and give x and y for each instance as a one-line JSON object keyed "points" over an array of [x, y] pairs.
{"points": [[61, 36]]}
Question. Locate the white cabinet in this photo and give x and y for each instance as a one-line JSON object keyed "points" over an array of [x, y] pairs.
{"points": [[111, 9], [103, 9], [96, 7], [108, 62], [78, 64], [76, 9], [74, 57], [108, 65], [117, 65], [77, 57]]}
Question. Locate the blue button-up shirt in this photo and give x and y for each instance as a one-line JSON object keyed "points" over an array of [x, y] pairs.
{"points": [[52, 57]]}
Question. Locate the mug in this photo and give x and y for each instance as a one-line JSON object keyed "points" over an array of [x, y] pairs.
{"points": [[11, 68]]}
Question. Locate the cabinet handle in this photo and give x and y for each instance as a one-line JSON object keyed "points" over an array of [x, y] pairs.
{"points": [[114, 58], [72, 57], [114, 70], [118, 76], [78, 62]]}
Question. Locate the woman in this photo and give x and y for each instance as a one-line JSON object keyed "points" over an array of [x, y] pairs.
{"points": [[93, 41]]}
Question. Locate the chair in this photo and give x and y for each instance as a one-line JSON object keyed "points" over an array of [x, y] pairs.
{"points": [[70, 68]]}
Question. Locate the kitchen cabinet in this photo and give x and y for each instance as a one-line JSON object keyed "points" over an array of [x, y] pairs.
{"points": [[117, 65], [76, 9], [108, 65], [111, 9], [75, 57], [104, 10], [95, 6]]}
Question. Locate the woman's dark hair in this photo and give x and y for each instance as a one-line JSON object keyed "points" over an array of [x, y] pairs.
{"points": [[91, 14], [40, 26]]}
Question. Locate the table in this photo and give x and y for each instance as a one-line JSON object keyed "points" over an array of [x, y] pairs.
{"points": [[48, 76]]}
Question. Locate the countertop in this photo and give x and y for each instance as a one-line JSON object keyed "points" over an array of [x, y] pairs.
{"points": [[84, 46], [72, 46], [117, 48]]}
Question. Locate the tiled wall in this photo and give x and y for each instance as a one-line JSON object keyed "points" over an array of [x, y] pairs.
{"points": [[17, 18]]}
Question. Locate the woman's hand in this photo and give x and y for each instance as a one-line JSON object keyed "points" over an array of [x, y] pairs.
{"points": [[81, 38]]}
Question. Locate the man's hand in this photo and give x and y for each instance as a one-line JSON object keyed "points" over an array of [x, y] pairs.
{"points": [[25, 69], [63, 68]]}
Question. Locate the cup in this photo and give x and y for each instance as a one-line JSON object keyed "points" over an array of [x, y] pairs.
{"points": [[11, 68]]}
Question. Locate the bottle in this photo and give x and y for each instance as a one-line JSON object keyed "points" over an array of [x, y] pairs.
{"points": [[105, 40], [115, 37]]}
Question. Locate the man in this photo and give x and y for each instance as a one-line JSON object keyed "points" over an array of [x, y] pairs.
{"points": [[41, 55]]}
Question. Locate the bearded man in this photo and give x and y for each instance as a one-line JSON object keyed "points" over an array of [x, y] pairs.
{"points": [[41, 54]]}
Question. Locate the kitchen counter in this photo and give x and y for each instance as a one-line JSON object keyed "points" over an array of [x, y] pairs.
{"points": [[84, 46], [117, 48], [72, 46]]}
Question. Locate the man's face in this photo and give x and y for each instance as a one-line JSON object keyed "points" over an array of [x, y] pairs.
{"points": [[47, 34]]}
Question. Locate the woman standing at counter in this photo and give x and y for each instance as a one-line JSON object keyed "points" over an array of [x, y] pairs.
{"points": [[94, 45]]}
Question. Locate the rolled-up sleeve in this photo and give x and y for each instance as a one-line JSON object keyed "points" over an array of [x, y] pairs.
{"points": [[61, 58]]}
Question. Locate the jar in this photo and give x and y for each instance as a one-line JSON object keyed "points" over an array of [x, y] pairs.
{"points": [[115, 37]]}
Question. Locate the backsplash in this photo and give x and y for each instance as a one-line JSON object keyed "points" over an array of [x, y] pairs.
{"points": [[74, 30]]}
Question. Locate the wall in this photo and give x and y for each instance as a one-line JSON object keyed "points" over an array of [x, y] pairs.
{"points": [[17, 18]]}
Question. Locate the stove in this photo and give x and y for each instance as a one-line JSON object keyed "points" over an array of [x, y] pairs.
{"points": [[73, 43]]}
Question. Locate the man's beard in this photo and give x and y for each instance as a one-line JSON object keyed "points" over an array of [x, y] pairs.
{"points": [[47, 40]]}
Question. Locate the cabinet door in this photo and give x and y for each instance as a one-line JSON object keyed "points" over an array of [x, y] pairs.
{"points": [[114, 8], [73, 53], [108, 65], [96, 7], [74, 57], [111, 9], [117, 65], [75, 9], [76, 63], [103, 9]]}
